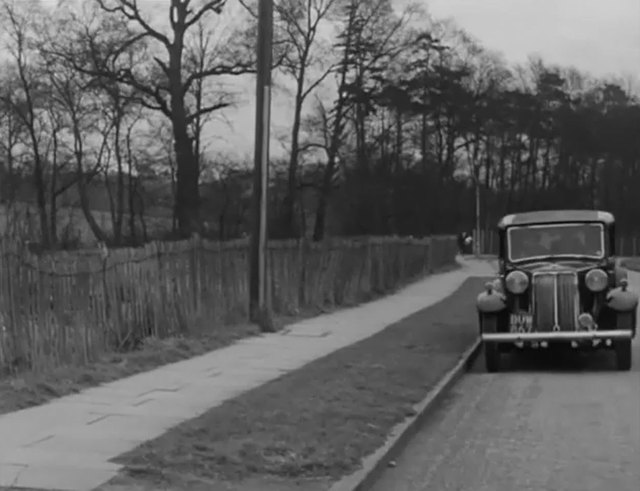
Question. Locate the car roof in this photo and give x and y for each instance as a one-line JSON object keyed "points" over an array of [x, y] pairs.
{"points": [[555, 216]]}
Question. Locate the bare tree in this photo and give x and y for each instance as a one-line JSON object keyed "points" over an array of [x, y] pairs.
{"points": [[60, 180], [309, 63], [121, 115], [198, 53], [370, 36], [77, 96], [11, 133], [19, 23], [164, 84]]}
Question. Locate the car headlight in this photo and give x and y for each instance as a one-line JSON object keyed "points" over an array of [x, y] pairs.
{"points": [[517, 282], [596, 280]]}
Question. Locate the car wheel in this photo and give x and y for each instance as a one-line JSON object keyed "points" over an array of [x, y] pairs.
{"points": [[622, 347], [492, 357], [623, 354], [491, 350]]}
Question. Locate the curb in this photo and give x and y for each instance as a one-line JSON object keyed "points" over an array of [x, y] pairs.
{"points": [[374, 464]]}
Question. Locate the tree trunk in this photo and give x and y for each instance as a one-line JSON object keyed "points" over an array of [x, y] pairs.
{"points": [[78, 151], [187, 202], [41, 197], [132, 189], [53, 196], [143, 223], [423, 138], [399, 140], [187, 191], [336, 133], [361, 137], [450, 149], [323, 201], [119, 212], [290, 226]]}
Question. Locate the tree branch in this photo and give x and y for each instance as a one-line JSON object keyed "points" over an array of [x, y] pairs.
{"points": [[211, 6], [206, 110], [246, 6], [126, 76], [134, 15], [318, 81], [238, 68]]}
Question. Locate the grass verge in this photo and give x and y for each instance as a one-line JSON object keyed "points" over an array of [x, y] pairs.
{"points": [[31, 389], [315, 424], [632, 263]]}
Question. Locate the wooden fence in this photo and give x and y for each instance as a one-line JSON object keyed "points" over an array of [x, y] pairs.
{"points": [[69, 308]]}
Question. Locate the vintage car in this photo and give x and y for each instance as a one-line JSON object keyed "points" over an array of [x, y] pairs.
{"points": [[558, 284]]}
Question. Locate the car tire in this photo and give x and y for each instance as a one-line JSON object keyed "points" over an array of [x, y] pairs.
{"points": [[492, 351], [622, 347], [623, 354], [492, 357]]}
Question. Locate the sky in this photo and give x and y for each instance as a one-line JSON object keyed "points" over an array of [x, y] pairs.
{"points": [[598, 36]]}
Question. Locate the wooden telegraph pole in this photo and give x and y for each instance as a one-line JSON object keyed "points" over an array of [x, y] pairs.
{"points": [[258, 296], [476, 242]]}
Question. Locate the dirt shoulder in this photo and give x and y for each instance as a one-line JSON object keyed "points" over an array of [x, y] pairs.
{"points": [[316, 424]]}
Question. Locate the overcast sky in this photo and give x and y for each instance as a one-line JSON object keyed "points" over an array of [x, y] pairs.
{"points": [[599, 36]]}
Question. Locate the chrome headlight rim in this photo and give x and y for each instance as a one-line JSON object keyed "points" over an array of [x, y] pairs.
{"points": [[516, 282], [600, 277]]}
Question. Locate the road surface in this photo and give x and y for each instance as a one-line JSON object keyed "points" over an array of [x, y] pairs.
{"points": [[546, 425]]}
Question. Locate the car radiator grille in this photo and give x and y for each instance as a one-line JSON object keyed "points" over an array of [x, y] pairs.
{"points": [[549, 287]]}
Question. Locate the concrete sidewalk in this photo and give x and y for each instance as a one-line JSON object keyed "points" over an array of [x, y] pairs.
{"points": [[67, 444]]}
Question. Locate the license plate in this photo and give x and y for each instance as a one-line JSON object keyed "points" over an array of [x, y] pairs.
{"points": [[521, 323]]}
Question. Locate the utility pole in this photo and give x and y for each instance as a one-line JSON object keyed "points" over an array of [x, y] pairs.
{"points": [[475, 180], [258, 307], [476, 243]]}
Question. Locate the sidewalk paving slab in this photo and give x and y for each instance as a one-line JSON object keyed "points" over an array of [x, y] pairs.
{"points": [[67, 443]]}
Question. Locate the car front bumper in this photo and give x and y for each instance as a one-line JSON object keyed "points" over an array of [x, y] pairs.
{"points": [[515, 337]]}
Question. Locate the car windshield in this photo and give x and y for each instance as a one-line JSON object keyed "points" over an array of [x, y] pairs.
{"points": [[583, 239]]}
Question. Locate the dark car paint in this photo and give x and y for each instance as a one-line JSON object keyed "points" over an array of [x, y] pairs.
{"points": [[581, 265], [556, 216]]}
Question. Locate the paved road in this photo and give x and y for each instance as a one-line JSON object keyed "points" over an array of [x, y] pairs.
{"points": [[547, 425]]}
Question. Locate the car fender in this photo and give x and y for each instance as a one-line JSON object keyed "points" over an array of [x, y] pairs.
{"points": [[622, 300], [491, 302], [621, 274], [496, 285]]}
